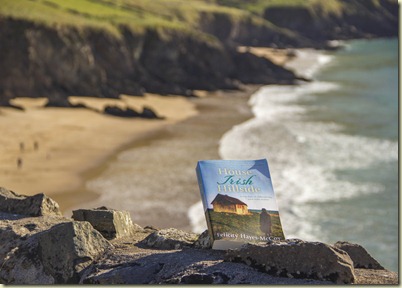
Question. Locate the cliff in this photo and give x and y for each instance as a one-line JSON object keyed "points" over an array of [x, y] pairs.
{"points": [[104, 246], [98, 48], [319, 21]]}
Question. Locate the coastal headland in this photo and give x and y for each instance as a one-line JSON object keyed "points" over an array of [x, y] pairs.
{"points": [[152, 52]]}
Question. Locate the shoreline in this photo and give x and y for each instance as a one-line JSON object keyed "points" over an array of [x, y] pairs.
{"points": [[126, 179], [71, 152], [281, 56]]}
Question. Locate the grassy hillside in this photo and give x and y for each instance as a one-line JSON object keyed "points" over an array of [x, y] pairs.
{"points": [[108, 14], [324, 6], [171, 14], [246, 224]]}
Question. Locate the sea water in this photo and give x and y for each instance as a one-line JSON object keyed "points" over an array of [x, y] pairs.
{"points": [[332, 146]]}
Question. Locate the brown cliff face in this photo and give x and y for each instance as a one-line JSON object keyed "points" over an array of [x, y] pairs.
{"points": [[42, 61], [56, 62]]}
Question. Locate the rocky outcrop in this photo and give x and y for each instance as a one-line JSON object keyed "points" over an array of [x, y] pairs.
{"points": [[61, 61], [52, 249], [297, 259], [47, 250], [37, 205], [184, 266], [360, 257], [109, 222], [248, 66]]}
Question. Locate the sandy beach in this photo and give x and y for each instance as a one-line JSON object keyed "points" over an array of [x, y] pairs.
{"points": [[55, 146]]}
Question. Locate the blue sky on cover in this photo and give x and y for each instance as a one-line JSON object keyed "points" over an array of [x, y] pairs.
{"points": [[259, 168]]}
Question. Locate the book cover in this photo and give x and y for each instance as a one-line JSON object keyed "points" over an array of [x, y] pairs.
{"points": [[239, 202]]}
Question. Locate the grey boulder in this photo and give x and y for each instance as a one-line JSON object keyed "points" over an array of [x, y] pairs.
{"points": [[297, 259], [37, 205], [45, 250]]}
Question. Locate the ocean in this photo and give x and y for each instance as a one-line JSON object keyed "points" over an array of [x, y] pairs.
{"points": [[332, 146]]}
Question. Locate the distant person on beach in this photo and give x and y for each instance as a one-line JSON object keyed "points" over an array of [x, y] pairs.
{"points": [[36, 145], [265, 222], [19, 163]]}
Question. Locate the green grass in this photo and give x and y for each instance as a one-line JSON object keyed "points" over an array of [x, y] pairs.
{"points": [[48, 13], [108, 15], [246, 224]]}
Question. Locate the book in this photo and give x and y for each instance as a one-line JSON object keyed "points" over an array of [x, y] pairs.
{"points": [[239, 202]]}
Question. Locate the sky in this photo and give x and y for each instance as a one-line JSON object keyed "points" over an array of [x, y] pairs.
{"points": [[254, 174]]}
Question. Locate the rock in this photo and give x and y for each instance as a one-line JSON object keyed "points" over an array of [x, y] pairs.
{"points": [[360, 257], [376, 277], [149, 113], [187, 266], [248, 64], [47, 250], [203, 241], [110, 223], [298, 259], [37, 205], [170, 239], [56, 250], [117, 111]]}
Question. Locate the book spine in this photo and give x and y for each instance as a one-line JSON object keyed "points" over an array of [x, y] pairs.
{"points": [[205, 203]]}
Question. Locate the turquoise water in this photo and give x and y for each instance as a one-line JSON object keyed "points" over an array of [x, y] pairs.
{"points": [[365, 104], [332, 147]]}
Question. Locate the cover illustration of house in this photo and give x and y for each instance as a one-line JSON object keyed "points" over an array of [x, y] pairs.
{"points": [[239, 202], [225, 203]]}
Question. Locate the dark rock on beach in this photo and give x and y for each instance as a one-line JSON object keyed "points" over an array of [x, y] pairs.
{"points": [[120, 112], [61, 102], [148, 113], [51, 249], [126, 112]]}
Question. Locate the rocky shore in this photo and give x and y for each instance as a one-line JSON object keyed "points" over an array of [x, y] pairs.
{"points": [[104, 246]]}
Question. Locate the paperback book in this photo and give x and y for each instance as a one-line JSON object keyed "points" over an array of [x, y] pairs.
{"points": [[239, 202]]}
